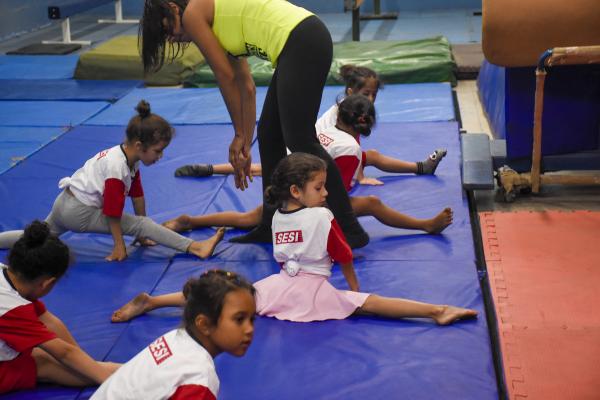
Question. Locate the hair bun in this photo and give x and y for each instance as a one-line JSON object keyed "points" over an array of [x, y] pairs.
{"points": [[36, 233], [143, 108]]}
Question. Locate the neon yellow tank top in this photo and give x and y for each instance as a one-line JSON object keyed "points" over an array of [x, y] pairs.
{"points": [[256, 27]]}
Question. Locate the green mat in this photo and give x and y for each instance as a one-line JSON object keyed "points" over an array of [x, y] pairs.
{"points": [[415, 61], [119, 58]]}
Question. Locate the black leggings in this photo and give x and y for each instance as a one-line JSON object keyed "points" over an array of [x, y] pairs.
{"points": [[290, 111]]}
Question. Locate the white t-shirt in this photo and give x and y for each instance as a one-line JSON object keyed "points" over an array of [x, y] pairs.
{"points": [[106, 177], [327, 120], [174, 366], [345, 151], [307, 239]]}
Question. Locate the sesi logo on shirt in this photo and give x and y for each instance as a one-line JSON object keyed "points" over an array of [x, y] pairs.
{"points": [[103, 153], [324, 139], [160, 350], [288, 237]]}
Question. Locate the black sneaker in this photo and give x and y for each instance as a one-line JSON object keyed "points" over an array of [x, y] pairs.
{"points": [[196, 170]]}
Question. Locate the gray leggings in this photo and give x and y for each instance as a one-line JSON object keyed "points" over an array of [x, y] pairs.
{"points": [[69, 214]]}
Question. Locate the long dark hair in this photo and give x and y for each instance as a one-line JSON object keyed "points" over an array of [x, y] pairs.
{"points": [[358, 112], [206, 294], [295, 169], [152, 35]]}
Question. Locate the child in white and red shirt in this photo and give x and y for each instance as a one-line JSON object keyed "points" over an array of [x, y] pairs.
{"points": [[34, 344], [93, 198], [355, 117], [218, 317], [306, 241]]}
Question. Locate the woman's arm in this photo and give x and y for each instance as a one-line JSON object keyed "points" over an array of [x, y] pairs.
{"points": [[196, 24]]}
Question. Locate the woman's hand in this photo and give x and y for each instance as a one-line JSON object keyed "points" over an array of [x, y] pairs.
{"points": [[241, 160]]}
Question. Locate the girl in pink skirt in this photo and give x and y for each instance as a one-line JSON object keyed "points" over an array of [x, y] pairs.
{"points": [[306, 238]]}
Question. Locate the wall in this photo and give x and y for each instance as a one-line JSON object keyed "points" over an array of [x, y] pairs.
{"points": [[22, 16]]}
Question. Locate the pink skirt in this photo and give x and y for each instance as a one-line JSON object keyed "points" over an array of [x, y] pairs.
{"points": [[304, 298]]}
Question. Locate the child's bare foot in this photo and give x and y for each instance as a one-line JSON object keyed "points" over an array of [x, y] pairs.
{"points": [[440, 222], [205, 248], [449, 314], [137, 306], [180, 224]]}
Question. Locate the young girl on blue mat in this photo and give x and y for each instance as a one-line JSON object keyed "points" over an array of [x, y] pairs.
{"points": [[218, 317], [306, 238], [357, 80], [355, 117], [93, 198], [35, 346]]}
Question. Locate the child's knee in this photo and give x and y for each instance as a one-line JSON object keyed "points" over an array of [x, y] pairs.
{"points": [[374, 201]]}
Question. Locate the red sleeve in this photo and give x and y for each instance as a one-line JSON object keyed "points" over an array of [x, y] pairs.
{"points": [[114, 197], [347, 166], [196, 392], [136, 189], [337, 247], [39, 307], [363, 159], [21, 329]]}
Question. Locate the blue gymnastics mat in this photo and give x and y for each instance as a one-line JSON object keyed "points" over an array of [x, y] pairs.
{"points": [[395, 103], [65, 89], [48, 113], [358, 356], [18, 143], [37, 67]]}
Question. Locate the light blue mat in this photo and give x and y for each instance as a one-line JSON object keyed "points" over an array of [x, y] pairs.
{"points": [[395, 103], [49, 113]]}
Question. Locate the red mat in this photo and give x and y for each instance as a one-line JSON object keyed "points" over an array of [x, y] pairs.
{"points": [[544, 270]]}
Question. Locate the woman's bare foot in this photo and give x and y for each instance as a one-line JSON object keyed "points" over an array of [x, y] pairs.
{"points": [[135, 307], [205, 248], [449, 314], [440, 222], [180, 224]]}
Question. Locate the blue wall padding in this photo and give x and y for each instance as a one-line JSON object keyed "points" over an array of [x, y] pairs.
{"points": [[65, 89], [395, 103], [37, 67], [571, 117], [490, 82], [16, 143], [48, 113]]}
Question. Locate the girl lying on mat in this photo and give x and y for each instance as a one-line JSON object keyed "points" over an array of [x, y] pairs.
{"points": [[218, 317], [355, 117], [93, 198], [306, 238], [358, 80], [35, 346]]}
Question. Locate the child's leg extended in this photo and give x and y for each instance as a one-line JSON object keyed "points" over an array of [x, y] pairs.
{"points": [[138, 226], [201, 170], [372, 205], [143, 303], [234, 219], [402, 308], [390, 164]]}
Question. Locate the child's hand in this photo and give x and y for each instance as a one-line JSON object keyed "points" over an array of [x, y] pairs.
{"points": [[119, 253], [370, 181], [144, 242]]}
